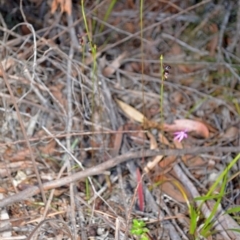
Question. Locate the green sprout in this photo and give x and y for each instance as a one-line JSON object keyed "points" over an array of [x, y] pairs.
{"points": [[139, 229]]}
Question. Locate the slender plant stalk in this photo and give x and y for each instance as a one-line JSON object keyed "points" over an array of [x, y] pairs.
{"points": [[94, 76], [142, 55], [94, 54], [161, 89]]}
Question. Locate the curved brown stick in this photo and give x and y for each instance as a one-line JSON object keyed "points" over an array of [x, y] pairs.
{"points": [[31, 191]]}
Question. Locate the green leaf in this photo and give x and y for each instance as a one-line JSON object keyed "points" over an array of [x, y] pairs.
{"points": [[234, 230], [205, 198], [137, 232], [194, 216], [233, 210], [138, 223], [144, 237], [145, 230]]}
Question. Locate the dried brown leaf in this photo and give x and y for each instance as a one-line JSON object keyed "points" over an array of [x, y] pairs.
{"points": [[135, 132], [7, 63], [65, 6], [231, 133], [49, 148], [153, 142], [153, 145], [170, 186], [163, 139], [57, 93], [3, 190], [212, 46], [117, 141], [176, 97], [194, 161], [167, 161], [21, 155], [55, 5], [111, 69], [6, 169], [176, 49], [131, 112]]}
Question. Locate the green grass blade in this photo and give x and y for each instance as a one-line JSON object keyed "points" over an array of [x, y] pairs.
{"points": [[106, 16], [233, 210]]}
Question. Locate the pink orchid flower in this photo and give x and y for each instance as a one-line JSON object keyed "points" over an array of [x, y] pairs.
{"points": [[180, 135]]}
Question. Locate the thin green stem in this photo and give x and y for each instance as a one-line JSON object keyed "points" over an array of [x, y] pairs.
{"points": [[94, 76], [109, 10]]}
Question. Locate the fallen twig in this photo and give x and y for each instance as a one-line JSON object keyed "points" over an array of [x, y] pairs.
{"points": [[99, 169]]}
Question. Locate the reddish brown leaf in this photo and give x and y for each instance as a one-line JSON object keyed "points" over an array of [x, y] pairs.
{"points": [[49, 148], [197, 127], [140, 190]]}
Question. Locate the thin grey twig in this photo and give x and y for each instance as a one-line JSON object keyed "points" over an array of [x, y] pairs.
{"points": [[237, 32], [230, 68], [65, 227], [222, 30], [69, 123], [185, 45], [156, 24], [24, 133], [22, 12]]}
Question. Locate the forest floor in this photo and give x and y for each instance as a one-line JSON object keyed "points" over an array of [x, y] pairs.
{"points": [[120, 119]]}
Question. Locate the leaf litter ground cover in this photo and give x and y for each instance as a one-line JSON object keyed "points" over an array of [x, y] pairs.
{"points": [[100, 139]]}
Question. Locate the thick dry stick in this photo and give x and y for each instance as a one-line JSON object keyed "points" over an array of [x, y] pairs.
{"points": [[96, 170]]}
